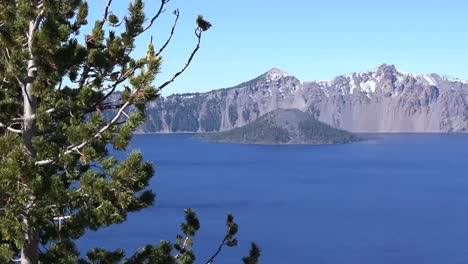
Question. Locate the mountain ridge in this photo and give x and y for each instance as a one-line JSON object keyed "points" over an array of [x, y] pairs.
{"points": [[382, 100], [273, 69]]}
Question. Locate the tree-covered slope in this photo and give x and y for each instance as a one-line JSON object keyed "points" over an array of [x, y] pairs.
{"points": [[283, 126]]}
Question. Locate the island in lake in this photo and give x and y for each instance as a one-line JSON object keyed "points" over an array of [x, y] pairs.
{"points": [[282, 127]]}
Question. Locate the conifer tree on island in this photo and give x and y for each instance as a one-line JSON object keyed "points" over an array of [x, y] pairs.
{"points": [[57, 176]]}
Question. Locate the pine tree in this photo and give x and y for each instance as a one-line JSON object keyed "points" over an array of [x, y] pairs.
{"points": [[57, 89]]}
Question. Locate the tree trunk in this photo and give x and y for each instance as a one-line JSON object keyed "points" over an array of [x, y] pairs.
{"points": [[29, 109], [30, 249], [29, 252]]}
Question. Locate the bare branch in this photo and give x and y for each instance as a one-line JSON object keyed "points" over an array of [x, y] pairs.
{"points": [[177, 14], [125, 114], [228, 240], [38, 19], [184, 246], [44, 162], [6, 54], [20, 82], [198, 33], [106, 11], [160, 11], [60, 84], [84, 75], [109, 106], [3, 81], [48, 111], [9, 128], [210, 261], [35, 26]]}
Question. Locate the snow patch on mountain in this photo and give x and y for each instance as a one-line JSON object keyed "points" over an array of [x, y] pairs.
{"points": [[429, 80], [275, 74], [369, 86], [352, 83]]}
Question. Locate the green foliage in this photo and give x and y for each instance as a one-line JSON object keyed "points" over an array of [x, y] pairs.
{"points": [[283, 127], [256, 132], [164, 253], [6, 254], [254, 255], [59, 120], [153, 254], [232, 228], [57, 88], [320, 132], [63, 252], [192, 224], [100, 255]]}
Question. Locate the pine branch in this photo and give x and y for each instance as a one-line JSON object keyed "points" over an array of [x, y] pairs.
{"points": [[5, 80], [198, 34], [77, 148], [160, 11], [254, 255], [84, 75], [6, 54], [38, 19], [220, 247], [228, 240], [184, 247], [109, 106], [48, 111], [33, 29], [177, 14], [44, 162], [112, 88], [9, 128], [106, 11]]}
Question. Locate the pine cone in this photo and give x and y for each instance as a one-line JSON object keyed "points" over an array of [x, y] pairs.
{"points": [[90, 41]]}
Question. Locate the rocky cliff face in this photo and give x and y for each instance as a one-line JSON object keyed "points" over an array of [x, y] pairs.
{"points": [[382, 100]]}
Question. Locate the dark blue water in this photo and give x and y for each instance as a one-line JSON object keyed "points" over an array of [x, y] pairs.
{"points": [[399, 199]]}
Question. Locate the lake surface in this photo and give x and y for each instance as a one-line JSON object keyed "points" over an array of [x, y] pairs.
{"points": [[402, 198]]}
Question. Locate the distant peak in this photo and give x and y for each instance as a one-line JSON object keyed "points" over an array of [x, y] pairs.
{"points": [[275, 73], [387, 68], [275, 70]]}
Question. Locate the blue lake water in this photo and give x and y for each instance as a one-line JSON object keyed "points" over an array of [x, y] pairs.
{"points": [[402, 198]]}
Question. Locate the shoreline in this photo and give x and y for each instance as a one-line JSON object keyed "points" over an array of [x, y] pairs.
{"points": [[357, 133]]}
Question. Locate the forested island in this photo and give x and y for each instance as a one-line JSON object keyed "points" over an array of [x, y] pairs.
{"points": [[282, 127]]}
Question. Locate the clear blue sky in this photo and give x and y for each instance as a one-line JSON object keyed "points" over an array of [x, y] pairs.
{"points": [[312, 40]]}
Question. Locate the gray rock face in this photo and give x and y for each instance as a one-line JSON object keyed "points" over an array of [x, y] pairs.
{"points": [[382, 100]]}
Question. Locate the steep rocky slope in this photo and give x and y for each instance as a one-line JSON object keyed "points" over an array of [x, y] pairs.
{"points": [[382, 100]]}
